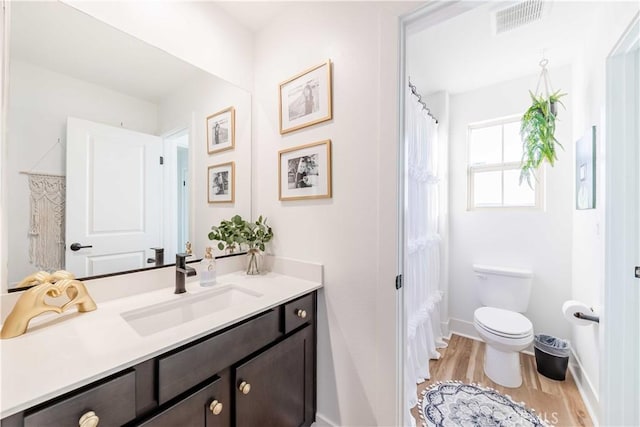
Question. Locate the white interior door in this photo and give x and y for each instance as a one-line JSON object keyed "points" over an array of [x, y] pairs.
{"points": [[114, 197], [620, 375]]}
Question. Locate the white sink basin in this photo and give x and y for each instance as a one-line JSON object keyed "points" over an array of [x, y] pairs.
{"points": [[165, 315]]}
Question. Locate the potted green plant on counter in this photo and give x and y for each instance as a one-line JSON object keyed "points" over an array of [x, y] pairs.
{"points": [[232, 234], [255, 235]]}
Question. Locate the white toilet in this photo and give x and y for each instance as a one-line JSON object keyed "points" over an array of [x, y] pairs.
{"points": [[504, 293]]}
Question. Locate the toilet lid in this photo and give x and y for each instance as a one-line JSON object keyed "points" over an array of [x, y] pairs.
{"points": [[503, 322]]}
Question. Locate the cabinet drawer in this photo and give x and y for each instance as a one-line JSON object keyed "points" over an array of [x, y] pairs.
{"points": [[189, 367], [112, 401], [299, 312], [197, 409]]}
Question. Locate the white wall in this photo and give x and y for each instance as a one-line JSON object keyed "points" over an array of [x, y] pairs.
{"points": [[4, 99], [187, 108], [608, 22], [536, 240], [200, 33], [354, 233], [40, 102]]}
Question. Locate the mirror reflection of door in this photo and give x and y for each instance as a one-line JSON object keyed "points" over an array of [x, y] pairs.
{"points": [[114, 198], [176, 193]]}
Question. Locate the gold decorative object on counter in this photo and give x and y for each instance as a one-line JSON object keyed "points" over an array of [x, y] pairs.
{"points": [[31, 303]]}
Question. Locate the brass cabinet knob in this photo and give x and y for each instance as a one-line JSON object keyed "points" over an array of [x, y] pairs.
{"points": [[301, 313], [215, 407], [244, 387], [90, 419]]}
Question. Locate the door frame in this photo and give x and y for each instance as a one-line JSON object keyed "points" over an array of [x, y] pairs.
{"points": [[620, 335], [4, 100], [431, 14], [169, 202]]}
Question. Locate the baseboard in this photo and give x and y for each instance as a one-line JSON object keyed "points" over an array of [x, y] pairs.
{"points": [[322, 421], [463, 328], [586, 389]]}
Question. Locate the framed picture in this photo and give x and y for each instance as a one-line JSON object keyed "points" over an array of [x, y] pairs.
{"points": [[221, 130], [586, 170], [304, 172], [305, 99], [221, 183]]}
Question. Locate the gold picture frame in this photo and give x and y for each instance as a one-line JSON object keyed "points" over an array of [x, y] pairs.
{"points": [[305, 99], [221, 130], [221, 183], [304, 172]]}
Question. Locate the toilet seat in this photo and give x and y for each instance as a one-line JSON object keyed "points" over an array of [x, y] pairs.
{"points": [[503, 323]]}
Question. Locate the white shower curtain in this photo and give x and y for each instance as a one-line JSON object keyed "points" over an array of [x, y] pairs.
{"points": [[422, 294]]}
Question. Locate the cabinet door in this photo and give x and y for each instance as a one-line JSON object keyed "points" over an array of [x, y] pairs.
{"points": [[281, 380], [208, 406]]}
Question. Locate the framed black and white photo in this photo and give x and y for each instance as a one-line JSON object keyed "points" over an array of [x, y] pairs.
{"points": [[221, 130], [305, 99], [221, 183], [304, 172]]}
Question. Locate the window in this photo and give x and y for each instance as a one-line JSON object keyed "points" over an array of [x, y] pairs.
{"points": [[495, 153]]}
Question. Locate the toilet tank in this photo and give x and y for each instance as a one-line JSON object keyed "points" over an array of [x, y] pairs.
{"points": [[507, 288]]}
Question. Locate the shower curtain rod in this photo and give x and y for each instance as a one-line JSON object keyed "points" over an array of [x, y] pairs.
{"points": [[414, 91]]}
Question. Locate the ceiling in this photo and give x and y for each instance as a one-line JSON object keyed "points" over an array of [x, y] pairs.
{"points": [[254, 15], [69, 42], [462, 53]]}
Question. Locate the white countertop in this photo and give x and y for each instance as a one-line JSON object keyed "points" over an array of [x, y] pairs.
{"points": [[60, 353]]}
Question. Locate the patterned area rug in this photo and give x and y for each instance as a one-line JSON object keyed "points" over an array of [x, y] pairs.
{"points": [[469, 405]]}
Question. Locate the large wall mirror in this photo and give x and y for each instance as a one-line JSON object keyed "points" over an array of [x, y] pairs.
{"points": [[107, 154]]}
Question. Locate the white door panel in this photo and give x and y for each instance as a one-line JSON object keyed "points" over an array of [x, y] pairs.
{"points": [[114, 183]]}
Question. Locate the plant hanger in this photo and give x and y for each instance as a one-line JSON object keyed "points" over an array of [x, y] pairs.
{"points": [[544, 78], [538, 127]]}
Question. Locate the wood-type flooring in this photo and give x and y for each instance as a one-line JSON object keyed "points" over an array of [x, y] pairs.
{"points": [[557, 402]]}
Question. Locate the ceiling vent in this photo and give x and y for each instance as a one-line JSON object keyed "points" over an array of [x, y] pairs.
{"points": [[522, 13]]}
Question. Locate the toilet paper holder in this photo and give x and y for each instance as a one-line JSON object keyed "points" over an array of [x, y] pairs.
{"points": [[590, 317]]}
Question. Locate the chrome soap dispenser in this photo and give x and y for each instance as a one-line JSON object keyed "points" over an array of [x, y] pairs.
{"points": [[207, 268]]}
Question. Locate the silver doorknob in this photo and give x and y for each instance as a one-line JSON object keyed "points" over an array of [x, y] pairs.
{"points": [[301, 313]]}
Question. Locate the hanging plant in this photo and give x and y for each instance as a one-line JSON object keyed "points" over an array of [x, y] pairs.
{"points": [[538, 127]]}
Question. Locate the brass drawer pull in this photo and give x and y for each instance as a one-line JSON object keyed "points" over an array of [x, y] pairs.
{"points": [[301, 313], [215, 407], [90, 419], [244, 387]]}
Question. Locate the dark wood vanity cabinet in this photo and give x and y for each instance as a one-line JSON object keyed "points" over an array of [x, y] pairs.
{"points": [[281, 384], [258, 372]]}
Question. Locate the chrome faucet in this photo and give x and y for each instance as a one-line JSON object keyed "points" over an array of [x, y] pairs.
{"points": [[182, 271]]}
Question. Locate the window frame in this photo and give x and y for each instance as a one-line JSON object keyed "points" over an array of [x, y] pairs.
{"points": [[472, 170]]}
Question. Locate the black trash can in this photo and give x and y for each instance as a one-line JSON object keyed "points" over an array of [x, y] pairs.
{"points": [[552, 356]]}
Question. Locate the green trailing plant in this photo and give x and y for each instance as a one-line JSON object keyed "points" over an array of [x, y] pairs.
{"points": [[537, 131], [228, 233]]}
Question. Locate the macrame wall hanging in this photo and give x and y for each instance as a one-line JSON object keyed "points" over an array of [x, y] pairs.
{"points": [[47, 213]]}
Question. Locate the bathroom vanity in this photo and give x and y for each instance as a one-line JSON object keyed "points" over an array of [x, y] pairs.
{"points": [[250, 363]]}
